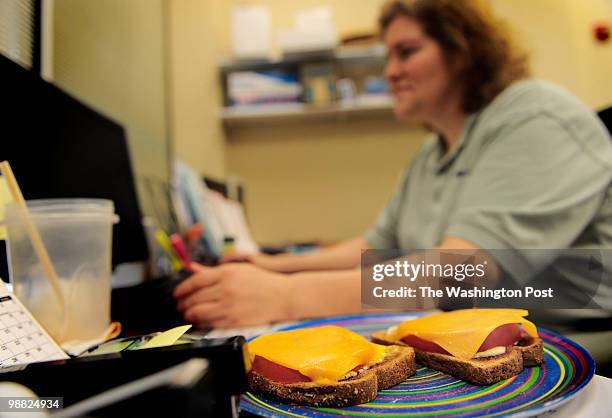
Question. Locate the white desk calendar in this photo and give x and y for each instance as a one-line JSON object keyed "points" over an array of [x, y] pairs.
{"points": [[22, 339]]}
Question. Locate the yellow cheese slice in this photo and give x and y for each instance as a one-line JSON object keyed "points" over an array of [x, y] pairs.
{"points": [[462, 332], [324, 354]]}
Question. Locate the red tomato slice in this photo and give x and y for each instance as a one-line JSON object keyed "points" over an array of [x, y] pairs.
{"points": [[281, 374], [502, 336], [276, 372], [423, 345]]}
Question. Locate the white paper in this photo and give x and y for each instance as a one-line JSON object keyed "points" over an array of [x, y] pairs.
{"points": [[251, 31], [314, 30], [233, 222], [319, 19]]}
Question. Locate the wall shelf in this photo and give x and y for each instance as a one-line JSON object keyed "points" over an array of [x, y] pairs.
{"points": [[376, 106], [357, 63]]}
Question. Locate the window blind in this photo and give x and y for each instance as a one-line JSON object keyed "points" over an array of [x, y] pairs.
{"points": [[17, 30]]}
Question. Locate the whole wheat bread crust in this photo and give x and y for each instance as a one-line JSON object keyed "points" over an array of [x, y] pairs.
{"points": [[352, 391], [478, 371], [532, 350], [395, 369]]}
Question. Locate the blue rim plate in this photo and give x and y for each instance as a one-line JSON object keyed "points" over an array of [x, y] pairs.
{"points": [[568, 368]]}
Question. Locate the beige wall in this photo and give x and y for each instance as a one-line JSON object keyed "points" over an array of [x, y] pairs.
{"points": [[594, 59], [195, 97], [328, 180], [558, 34], [543, 29], [321, 181], [109, 54]]}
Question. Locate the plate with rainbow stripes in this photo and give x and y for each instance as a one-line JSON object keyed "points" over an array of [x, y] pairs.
{"points": [[568, 368]]}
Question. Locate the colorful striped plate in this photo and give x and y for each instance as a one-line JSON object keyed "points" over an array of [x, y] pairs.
{"points": [[567, 370]]}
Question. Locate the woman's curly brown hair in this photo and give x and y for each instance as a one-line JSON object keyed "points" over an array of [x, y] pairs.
{"points": [[467, 30]]}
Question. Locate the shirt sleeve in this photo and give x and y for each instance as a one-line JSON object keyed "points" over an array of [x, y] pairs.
{"points": [[537, 185], [383, 235]]}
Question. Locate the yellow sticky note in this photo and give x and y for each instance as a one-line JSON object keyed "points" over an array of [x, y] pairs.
{"points": [[165, 338], [5, 198]]}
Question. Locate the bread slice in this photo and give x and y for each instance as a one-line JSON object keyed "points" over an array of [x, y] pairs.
{"points": [[484, 371], [398, 366], [356, 388], [532, 350]]}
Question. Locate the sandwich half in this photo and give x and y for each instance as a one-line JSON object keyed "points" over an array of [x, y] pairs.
{"points": [[480, 346], [325, 366]]}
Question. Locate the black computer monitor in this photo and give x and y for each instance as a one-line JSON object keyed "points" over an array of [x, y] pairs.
{"points": [[606, 117], [58, 147]]}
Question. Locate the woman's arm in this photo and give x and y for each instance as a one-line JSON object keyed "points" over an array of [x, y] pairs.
{"points": [[342, 256], [316, 294]]}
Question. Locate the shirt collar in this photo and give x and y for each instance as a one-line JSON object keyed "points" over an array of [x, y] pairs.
{"points": [[446, 158]]}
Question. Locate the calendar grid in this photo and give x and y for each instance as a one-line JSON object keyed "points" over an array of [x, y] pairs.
{"points": [[21, 338]]}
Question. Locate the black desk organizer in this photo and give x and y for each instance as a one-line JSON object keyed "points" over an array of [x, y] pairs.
{"points": [[216, 394]]}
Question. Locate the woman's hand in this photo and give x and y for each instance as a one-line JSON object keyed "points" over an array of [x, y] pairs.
{"points": [[234, 295]]}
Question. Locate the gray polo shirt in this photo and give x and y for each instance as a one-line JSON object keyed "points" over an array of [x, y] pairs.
{"points": [[532, 170]]}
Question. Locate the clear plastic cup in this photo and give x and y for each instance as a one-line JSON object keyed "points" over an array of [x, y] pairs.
{"points": [[77, 234]]}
